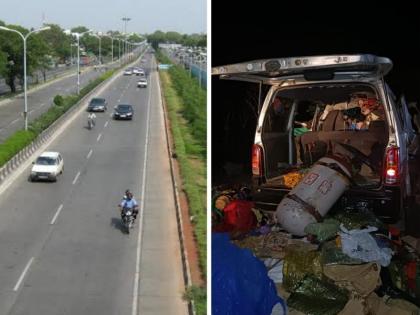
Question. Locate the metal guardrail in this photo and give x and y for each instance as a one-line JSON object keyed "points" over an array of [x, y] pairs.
{"points": [[45, 135]]}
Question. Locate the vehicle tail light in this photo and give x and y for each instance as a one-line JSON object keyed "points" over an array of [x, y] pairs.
{"points": [[392, 171], [257, 160]]}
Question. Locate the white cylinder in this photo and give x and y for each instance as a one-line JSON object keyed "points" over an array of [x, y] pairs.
{"points": [[314, 196]]}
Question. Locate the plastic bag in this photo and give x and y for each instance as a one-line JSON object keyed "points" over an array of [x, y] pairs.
{"points": [[360, 244], [275, 269], [240, 284], [318, 297]]}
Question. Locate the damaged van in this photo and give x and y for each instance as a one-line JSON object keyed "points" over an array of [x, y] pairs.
{"points": [[330, 106]]}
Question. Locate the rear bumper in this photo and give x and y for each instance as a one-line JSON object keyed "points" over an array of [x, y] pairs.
{"points": [[49, 177], [123, 118], [386, 202]]}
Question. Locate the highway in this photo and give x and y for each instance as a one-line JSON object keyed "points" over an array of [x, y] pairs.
{"points": [[62, 247], [40, 99]]}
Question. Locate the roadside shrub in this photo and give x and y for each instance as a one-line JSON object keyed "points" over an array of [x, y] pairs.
{"points": [[12, 145], [58, 100]]}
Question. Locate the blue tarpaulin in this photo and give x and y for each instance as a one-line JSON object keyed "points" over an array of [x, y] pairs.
{"points": [[240, 284]]}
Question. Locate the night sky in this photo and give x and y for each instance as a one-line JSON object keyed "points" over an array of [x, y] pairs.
{"points": [[294, 28]]}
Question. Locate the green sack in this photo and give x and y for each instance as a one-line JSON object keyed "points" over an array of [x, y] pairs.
{"points": [[298, 262], [318, 297], [323, 231]]}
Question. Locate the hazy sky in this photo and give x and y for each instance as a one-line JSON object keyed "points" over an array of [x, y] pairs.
{"points": [[147, 16]]}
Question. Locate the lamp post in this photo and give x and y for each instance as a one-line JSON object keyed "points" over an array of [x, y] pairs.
{"points": [[119, 50], [125, 19], [78, 35], [71, 53], [25, 37]]}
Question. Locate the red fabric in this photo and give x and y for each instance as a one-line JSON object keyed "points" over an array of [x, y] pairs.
{"points": [[239, 215]]}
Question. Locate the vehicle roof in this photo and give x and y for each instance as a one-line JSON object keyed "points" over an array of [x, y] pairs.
{"points": [[98, 99], [123, 105], [50, 154]]}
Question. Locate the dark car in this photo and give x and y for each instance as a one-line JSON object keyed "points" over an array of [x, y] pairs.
{"points": [[97, 105], [123, 111]]}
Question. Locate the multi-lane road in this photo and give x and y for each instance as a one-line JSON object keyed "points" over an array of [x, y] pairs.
{"points": [[62, 248], [40, 99]]}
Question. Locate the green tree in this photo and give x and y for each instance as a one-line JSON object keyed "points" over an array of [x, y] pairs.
{"points": [[58, 42], [79, 29], [3, 62], [12, 45], [135, 38], [156, 38], [173, 37]]}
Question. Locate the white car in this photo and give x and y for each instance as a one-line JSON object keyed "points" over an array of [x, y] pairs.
{"points": [[128, 72], [142, 83], [47, 167]]}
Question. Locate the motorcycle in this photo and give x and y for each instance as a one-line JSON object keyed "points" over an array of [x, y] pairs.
{"points": [[127, 219], [90, 123]]}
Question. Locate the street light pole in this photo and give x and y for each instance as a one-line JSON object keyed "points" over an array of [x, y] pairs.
{"points": [[25, 112], [78, 35], [125, 19], [119, 50], [112, 49], [78, 64]]}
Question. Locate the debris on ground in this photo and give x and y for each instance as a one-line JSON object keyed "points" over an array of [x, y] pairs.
{"points": [[348, 263], [240, 282]]}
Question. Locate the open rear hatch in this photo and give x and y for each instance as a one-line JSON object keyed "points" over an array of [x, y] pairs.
{"points": [[270, 71], [280, 147]]}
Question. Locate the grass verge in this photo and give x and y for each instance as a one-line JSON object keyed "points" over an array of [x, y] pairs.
{"points": [[186, 106]]}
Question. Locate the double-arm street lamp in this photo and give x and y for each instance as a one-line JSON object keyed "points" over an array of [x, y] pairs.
{"points": [[125, 19], [24, 37], [78, 35]]}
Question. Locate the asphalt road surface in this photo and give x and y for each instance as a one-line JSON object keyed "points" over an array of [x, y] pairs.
{"points": [[50, 74], [40, 99], [63, 250]]}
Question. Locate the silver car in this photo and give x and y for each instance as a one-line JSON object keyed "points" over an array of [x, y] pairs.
{"points": [[318, 105]]}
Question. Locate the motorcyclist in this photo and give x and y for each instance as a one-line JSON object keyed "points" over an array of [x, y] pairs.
{"points": [[126, 193], [91, 119], [130, 203]]}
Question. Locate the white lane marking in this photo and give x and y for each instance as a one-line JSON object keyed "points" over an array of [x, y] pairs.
{"points": [[25, 165], [15, 121], [23, 274], [75, 179], [106, 124], [89, 154], [143, 189], [99, 137], [56, 214]]}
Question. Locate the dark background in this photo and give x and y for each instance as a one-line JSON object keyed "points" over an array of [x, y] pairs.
{"points": [[265, 29]]}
